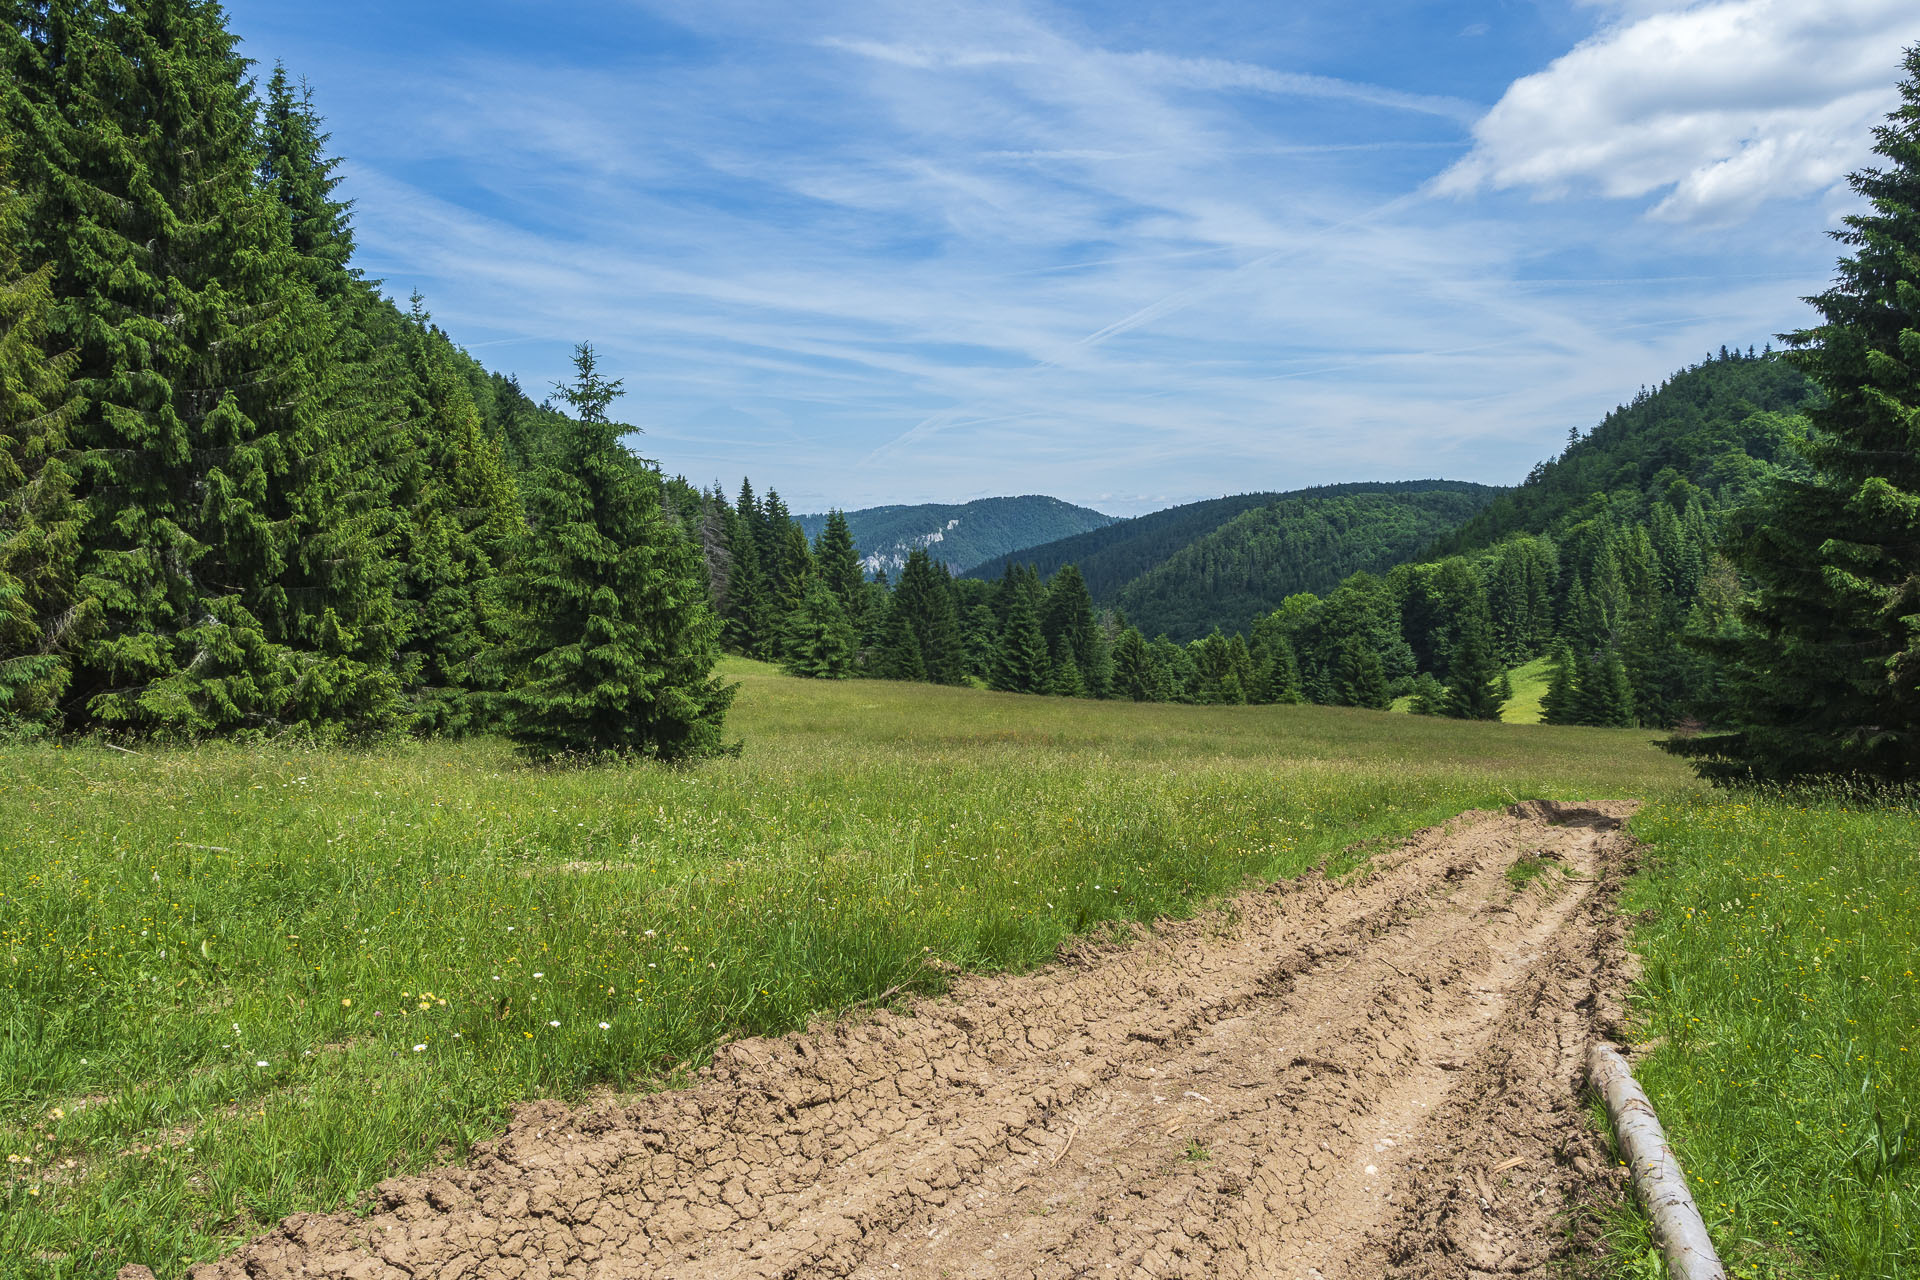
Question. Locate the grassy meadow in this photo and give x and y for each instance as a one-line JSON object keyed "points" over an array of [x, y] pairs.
{"points": [[243, 981], [1780, 991]]}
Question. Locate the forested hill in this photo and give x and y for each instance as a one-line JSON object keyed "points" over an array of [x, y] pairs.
{"points": [[1316, 535], [959, 535], [1110, 558], [1310, 541], [1719, 426]]}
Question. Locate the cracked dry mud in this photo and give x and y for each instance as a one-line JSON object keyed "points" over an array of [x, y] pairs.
{"points": [[1373, 1076]]}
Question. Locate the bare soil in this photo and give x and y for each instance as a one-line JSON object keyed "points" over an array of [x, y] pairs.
{"points": [[1375, 1075]]}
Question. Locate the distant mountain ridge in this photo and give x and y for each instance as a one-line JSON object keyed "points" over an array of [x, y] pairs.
{"points": [[1225, 560], [960, 534]]}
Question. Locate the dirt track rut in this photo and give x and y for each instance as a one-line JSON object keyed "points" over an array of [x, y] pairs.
{"points": [[1378, 1076]]}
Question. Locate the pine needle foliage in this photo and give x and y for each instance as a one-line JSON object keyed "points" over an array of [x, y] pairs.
{"points": [[41, 618]]}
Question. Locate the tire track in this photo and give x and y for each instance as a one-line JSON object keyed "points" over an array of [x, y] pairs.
{"points": [[1376, 1076]]}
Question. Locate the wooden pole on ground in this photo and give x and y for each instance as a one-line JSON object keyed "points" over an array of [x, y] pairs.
{"points": [[1657, 1178]]}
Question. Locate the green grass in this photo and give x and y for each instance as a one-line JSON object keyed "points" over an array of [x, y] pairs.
{"points": [[1780, 986], [1528, 868], [240, 982], [1529, 687]]}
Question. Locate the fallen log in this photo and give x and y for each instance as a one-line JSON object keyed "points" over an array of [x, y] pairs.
{"points": [[1658, 1180]]}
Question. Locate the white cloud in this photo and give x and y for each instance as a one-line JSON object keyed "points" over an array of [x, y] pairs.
{"points": [[1717, 106]]}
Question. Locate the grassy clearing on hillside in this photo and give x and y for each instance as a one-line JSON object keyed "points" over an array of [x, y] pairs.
{"points": [[1781, 987], [239, 982], [1529, 687]]}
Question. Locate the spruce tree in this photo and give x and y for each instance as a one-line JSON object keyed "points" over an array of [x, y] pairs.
{"points": [[1561, 702], [1473, 689], [233, 593], [896, 651], [924, 598], [838, 563], [1825, 678], [714, 511], [784, 577], [819, 639], [461, 514], [296, 171], [1068, 617], [981, 633], [1176, 670], [1133, 673], [1020, 663], [1064, 681], [1276, 673], [616, 645], [749, 621], [796, 558], [1098, 673], [1361, 678], [1606, 695], [41, 615]]}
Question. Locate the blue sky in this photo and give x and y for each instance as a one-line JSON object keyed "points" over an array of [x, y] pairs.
{"points": [[1126, 254]]}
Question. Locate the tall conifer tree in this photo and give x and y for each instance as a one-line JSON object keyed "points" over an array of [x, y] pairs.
{"points": [[41, 615], [896, 651], [231, 597], [839, 564], [1477, 675], [1020, 659], [749, 621], [1064, 682], [1133, 673], [1826, 677], [924, 598], [819, 639], [1561, 702]]}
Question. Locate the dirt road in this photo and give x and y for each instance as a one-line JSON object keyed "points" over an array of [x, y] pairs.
{"points": [[1372, 1077]]}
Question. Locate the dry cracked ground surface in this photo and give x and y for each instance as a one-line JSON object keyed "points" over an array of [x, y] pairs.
{"points": [[1375, 1075]]}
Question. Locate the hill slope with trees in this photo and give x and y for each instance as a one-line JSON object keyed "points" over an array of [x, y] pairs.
{"points": [[1111, 558], [1303, 542], [959, 535], [1719, 427]]}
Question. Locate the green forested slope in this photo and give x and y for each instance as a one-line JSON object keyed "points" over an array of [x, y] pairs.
{"points": [[241, 492], [1303, 542], [1718, 426], [958, 535], [1112, 557], [1607, 558]]}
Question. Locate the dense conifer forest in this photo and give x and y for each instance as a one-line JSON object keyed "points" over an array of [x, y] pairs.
{"points": [[243, 492]]}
